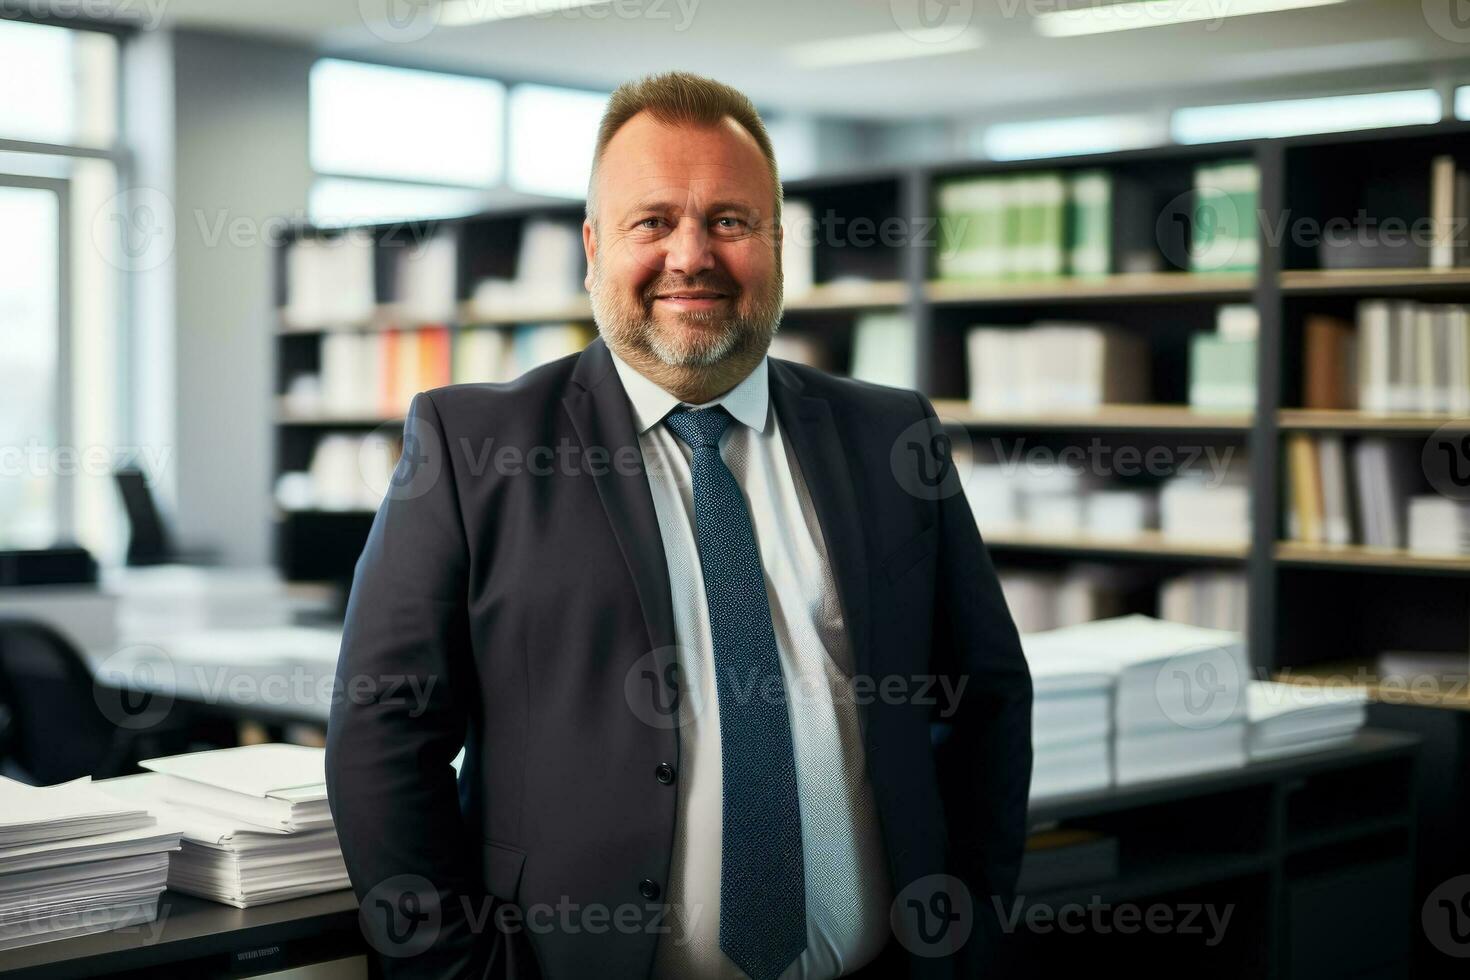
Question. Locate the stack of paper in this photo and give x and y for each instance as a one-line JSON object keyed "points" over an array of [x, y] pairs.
{"points": [[1179, 698], [1286, 719], [1070, 720], [256, 828], [75, 861], [167, 599], [229, 860], [274, 787]]}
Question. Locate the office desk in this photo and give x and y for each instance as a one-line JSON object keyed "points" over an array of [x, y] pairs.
{"points": [[196, 938], [276, 674]]}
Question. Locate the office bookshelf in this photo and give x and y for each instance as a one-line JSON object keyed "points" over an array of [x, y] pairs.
{"points": [[1308, 604]]}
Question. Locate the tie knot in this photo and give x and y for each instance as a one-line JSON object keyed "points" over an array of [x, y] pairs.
{"points": [[699, 427]]}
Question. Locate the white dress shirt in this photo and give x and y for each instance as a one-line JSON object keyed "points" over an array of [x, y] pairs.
{"points": [[847, 883]]}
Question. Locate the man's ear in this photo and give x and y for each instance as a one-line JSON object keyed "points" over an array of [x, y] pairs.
{"points": [[589, 246]]}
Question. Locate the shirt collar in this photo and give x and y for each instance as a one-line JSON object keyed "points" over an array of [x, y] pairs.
{"points": [[748, 402]]}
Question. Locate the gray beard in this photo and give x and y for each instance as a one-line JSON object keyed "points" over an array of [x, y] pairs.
{"points": [[738, 332]]}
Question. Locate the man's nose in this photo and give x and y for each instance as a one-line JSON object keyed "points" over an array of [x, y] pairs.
{"points": [[688, 247]]}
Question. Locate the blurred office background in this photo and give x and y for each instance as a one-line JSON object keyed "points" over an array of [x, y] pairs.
{"points": [[1184, 278]]}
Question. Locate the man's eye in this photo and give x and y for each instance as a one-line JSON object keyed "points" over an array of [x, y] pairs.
{"points": [[650, 224], [730, 224]]}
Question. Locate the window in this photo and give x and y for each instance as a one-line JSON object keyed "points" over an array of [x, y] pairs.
{"points": [[1338, 113], [1064, 137], [553, 132], [62, 373], [1462, 102], [69, 81], [396, 123]]}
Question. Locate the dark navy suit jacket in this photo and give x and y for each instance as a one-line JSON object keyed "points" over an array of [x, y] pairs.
{"points": [[513, 599]]}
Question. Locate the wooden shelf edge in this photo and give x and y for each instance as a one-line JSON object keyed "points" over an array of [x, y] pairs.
{"points": [[850, 296], [1183, 417], [1150, 285], [1440, 692], [1348, 280], [1362, 556], [1350, 420]]}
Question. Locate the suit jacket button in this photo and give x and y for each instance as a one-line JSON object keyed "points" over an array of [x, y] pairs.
{"points": [[648, 888], [664, 773]]}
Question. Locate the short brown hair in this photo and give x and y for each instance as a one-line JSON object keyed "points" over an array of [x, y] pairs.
{"points": [[677, 97]]}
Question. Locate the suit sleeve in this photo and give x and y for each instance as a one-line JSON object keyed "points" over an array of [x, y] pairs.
{"points": [[398, 720], [985, 762]]}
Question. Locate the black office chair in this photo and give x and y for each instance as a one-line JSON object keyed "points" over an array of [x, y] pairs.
{"points": [[149, 540], [52, 726]]}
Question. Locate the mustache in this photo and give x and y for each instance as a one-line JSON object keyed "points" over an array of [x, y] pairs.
{"points": [[717, 284]]}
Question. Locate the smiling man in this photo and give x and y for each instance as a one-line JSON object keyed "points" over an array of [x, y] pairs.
{"points": [[696, 666]]}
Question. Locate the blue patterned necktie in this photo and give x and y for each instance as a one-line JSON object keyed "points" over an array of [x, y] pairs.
{"points": [[762, 874]]}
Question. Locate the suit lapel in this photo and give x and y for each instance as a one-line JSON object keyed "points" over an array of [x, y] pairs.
{"points": [[600, 413], [808, 422], [602, 417]]}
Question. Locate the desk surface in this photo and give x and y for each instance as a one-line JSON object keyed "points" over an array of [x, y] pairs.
{"points": [[187, 927], [192, 927]]}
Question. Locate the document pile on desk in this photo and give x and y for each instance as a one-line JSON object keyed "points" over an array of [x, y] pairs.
{"points": [[74, 860], [256, 827], [1176, 697], [1288, 719], [1071, 721], [166, 599]]}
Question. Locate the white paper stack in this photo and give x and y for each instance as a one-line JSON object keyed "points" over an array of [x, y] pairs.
{"points": [[277, 788], [1179, 692], [226, 859], [1438, 525], [1287, 719], [1071, 717], [167, 599], [1198, 508], [74, 861], [329, 281]]}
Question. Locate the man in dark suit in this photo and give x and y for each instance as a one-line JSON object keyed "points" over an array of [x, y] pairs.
{"points": [[695, 616]]}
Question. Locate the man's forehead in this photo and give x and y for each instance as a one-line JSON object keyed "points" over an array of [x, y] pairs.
{"points": [[646, 158]]}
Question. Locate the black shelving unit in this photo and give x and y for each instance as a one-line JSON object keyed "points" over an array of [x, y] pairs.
{"points": [[1312, 177], [1307, 865]]}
